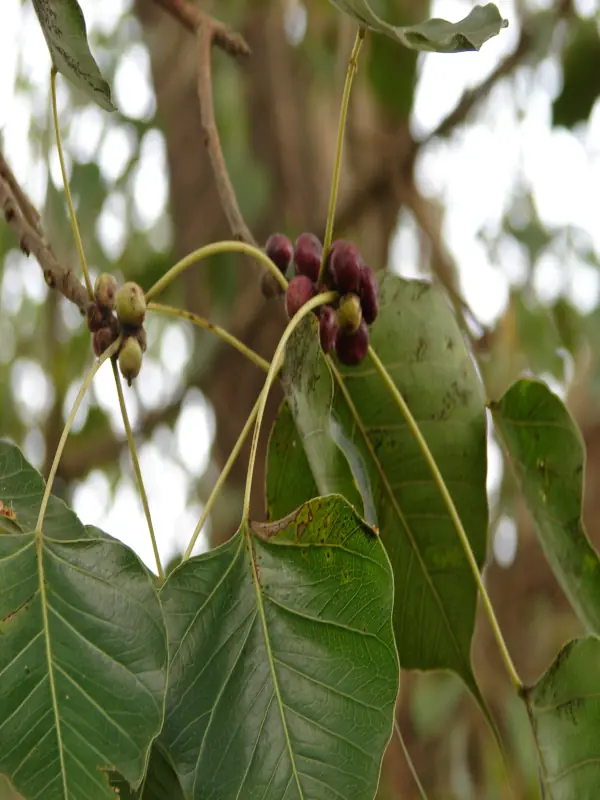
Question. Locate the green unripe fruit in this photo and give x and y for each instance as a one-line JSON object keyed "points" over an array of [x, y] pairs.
{"points": [[130, 304], [349, 313], [130, 359], [105, 291]]}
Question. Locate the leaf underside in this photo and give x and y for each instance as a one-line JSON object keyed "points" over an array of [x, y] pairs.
{"points": [[564, 708], [434, 35], [64, 29], [296, 698], [419, 342], [547, 453]]}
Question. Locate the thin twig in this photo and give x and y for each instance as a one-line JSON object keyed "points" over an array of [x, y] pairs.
{"points": [[205, 38], [192, 19], [32, 240], [28, 210]]}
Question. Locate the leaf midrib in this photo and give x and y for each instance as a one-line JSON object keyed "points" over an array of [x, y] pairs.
{"points": [[261, 611]]}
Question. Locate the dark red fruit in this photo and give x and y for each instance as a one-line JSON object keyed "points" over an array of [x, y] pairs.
{"points": [[369, 295], [280, 250], [307, 255], [102, 340], [345, 266], [328, 328], [351, 348], [95, 317], [300, 290]]}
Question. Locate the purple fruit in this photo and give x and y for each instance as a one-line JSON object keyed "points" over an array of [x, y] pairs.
{"points": [[369, 295], [280, 251], [300, 290], [307, 255], [351, 348], [349, 313], [345, 266], [328, 328]]}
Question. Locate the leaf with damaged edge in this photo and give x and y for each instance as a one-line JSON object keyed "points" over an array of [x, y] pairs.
{"points": [[283, 673], [64, 29], [433, 35], [547, 453]]}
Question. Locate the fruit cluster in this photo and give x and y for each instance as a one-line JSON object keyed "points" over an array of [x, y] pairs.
{"points": [[345, 327], [129, 303]]}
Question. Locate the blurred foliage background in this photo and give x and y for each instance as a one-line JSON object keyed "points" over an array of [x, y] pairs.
{"points": [[479, 171]]}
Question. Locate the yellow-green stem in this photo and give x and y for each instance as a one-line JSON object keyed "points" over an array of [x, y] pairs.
{"points": [[63, 439], [352, 64], [464, 540], [137, 470], [201, 322], [314, 302], [222, 478], [409, 762], [74, 225], [212, 250]]}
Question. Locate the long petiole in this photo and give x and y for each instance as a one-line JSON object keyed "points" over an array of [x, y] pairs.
{"points": [[213, 250], [352, 65], [63, 439], [437, 476], [74, 225], [137, 470], [201, 322], [222, 478], [409, 762], [314, 302]]}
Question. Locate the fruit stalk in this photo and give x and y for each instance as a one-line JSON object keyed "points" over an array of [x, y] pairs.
{"points": [[352, 65]]}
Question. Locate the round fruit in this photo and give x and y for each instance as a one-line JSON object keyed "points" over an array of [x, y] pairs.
{"points": [[105, 291], [95, 317], [300, 290], [328, 328], [130, 304], [345, 266], [369, 295], [351, 348], [280, 251], [130, 359], [307, 255], [349, 313], [102, 340]]}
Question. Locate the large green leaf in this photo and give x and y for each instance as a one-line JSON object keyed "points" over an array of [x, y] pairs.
{"points": [[435, 35], [418, 340], [160, 781], [285, 458], [581, 74], [65, 32], [83, 655], [21, 490], [547, 452], [564, 709], [283, 672]]}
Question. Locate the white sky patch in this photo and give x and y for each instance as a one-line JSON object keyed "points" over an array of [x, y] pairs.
{"points": [[32, 390], [150, 180], [505, 542], [111, 225], [194, 432], [85, 132], [83, 410], [132, 86], [34, 447], [116, 151], [176, 348]]}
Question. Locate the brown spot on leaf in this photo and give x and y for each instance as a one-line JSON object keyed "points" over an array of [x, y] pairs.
{"points": [[7, 512]]}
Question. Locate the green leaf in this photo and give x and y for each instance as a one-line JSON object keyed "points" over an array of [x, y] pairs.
{"points": [[22, 488], [289, 481], [564, 708], [418, 340], [160, 781], [64, 29], [547, 453], [296, 697], [581, 74], [435, 35], [336, 463], [83, 655]]}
